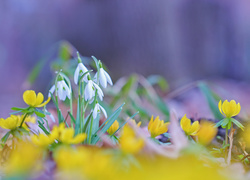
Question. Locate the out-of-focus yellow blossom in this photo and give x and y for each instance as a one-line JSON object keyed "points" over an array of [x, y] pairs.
{"points": [[113, 128], [129, 143], [188, 128], [162, 168], [14, 121], [136, 124], [11, 122], [246, 135], [83, 163], [34, 100], [157, 126], [229, 109], [66, 135], [25, 159], [42, 140], [207, 132]]}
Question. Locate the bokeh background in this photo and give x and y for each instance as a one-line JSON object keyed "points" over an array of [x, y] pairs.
{"points": [[182, 40]]}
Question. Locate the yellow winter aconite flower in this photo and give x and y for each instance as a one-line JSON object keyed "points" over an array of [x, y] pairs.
{"points": [[188, 128], [11, 122], [113, 128], [229, 109], [129, 142], [207, 132], [34, 100], [157, 126], [66, 135], [14, 121]]}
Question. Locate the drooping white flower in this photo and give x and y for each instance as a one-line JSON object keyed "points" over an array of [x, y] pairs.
{"points": [[104, 78], [89, 92], [80, 70], [62, 89], [97, 109]]}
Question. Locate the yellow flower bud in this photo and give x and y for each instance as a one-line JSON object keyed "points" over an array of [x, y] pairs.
{"points": [[229, 109], [188, 128], [207, 132], [34, 100], [157, 127], [113, 128]]}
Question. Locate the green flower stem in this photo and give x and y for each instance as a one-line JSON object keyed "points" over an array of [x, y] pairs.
{"points": [[71, 108], [82, 108], [23, 119], [90, 130]]}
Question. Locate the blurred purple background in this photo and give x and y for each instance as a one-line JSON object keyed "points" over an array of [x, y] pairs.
{"points": [[183, 40]]}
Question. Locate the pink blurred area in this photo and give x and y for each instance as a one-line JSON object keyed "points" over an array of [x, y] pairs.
{"points": [[181, 40]]}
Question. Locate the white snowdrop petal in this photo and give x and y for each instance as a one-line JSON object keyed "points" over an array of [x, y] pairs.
{"points": [[76, 74], [95, 111], [103, 110], [52, 90], [108, 78], [102, 78]]}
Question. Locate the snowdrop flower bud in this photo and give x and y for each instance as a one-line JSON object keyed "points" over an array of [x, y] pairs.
{"points": [[90, 88], [62, 89], [97, 109], [104, 77], [80, 70]]}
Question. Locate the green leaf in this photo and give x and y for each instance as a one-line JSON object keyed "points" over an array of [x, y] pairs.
{"points": [[237, 123], [39, 114], [225, 122], [105, 126], [125, 123], [87, 120], [212, 102], [219, 123], [17, 108], [72, 117], [43, 128], [5, 137]]}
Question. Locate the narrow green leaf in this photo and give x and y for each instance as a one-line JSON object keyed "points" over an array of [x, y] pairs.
{"points": [[5, 137], [39, 114], [111, 120], [118, 109], [124, 123], [17, 108], [72, 117], [213, 104], [237, 123]]}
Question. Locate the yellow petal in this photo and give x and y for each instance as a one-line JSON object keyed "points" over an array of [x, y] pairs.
{"points": [[39, 99], [220, 107], [226, 108], [29, 97], [194, 128], [67, 135], [43, 104], [79, 138], [185, 123]]}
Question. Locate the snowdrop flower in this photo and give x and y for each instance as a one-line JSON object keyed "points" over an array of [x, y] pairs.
{"points": [[104, 77], [80, 70], [97, 109], [90, 88], [62, 89]]}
